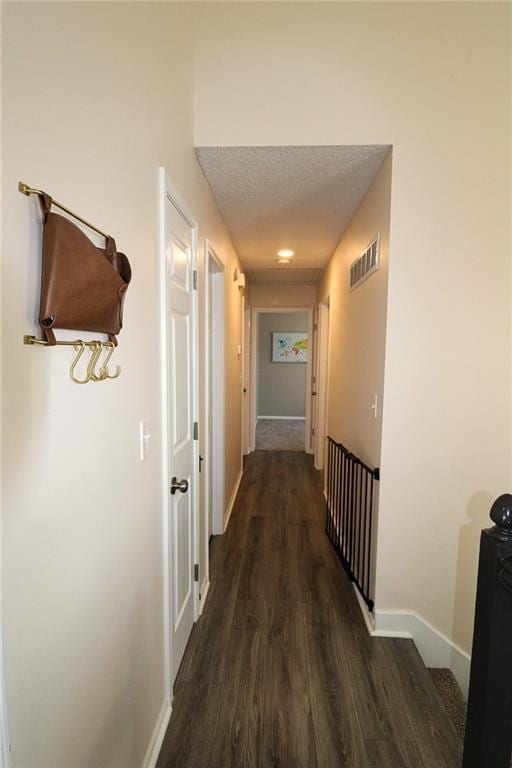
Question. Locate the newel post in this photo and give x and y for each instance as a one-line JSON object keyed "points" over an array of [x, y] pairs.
{"points": [[488, 738]]}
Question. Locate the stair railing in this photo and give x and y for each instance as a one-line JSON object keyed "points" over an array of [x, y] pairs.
{"points": [[488, 739], [350, 492]]}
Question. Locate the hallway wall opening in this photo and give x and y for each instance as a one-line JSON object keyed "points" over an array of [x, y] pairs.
{"points": [[281, 379], [281, 383]]}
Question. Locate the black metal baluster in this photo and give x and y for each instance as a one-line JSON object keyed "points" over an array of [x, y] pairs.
{"points": [[344, 506], [351, 516], [369, 597], [366, 577], [326, 486], [357, 472], [338, 508], [354, 520], [329, 486], [333, 469], [336, 494], [333, 490], [360, 527]]}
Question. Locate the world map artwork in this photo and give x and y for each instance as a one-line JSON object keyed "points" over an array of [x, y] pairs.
{"points": [[289, 347]]}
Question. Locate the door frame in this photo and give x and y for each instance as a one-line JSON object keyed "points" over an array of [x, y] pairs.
{"points": [[214, 464], [5, 746], [255, 312], [246, 377], [167, 191]]}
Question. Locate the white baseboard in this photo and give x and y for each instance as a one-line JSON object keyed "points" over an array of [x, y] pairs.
{"points": [[204, 589], [281, 418], [155, 744], [232, 499], [435, 649]]}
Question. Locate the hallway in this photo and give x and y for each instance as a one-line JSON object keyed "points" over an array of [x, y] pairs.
{"points": [[280, 670]]}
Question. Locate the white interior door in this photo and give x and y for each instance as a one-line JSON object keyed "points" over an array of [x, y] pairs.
{"points": [[181, 387]]}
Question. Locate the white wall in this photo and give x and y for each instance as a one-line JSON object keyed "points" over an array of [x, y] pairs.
{"points": [[96, 98], [433, 80], [281, 295], [357, 323]]}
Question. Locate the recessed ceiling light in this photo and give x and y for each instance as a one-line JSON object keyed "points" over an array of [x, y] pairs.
{"points": [[284, 260], [285, 253]]}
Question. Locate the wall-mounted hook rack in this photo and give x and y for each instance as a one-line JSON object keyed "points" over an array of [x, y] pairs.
{"points": [[96, 347]]}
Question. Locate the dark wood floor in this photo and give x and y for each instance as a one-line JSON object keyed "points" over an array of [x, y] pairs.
{"points": [[280, 670]]}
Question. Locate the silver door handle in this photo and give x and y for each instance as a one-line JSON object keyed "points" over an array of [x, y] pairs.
{"points": [[181, 485]]}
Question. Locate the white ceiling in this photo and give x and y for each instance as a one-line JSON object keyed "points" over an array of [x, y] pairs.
{"points": [[301, 198]]}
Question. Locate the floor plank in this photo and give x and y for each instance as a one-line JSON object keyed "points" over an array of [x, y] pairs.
{"points": [[280, 670], [392, 754]]}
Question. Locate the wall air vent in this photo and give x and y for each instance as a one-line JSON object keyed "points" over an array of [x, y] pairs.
{"points": [[366, 264]]}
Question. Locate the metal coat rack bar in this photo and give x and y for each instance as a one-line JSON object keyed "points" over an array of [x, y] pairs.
{"points": [[26, 190]]}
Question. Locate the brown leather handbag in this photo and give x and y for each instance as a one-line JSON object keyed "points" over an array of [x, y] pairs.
{"points": [[82, 286]]}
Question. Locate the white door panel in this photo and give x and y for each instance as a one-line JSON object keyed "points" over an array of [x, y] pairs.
{"points": [[180, 262], [182, 574]]}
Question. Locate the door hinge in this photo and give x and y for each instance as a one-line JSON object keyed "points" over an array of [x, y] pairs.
{"points": [[200, 462], [315, 326], [196, 572], [312, 430], [196, 430], [194, 279]]}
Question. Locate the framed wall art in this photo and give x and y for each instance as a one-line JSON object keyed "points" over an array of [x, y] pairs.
{"points": [[289, 347]]}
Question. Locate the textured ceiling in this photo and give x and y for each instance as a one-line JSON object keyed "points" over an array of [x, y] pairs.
{"points": [[289, 197]]}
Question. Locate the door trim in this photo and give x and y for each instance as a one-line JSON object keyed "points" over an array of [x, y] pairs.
{"points": [[322, 383], [246, 378], [5, 747], [255, 312], [214, 465], [167, 191]]}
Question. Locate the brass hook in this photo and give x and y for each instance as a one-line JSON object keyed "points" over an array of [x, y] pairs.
{"points": [[116, 375], [97, 348], [80, 348]]}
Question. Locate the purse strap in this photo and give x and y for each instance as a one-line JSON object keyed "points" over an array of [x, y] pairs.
{"points": [[46, 204]]}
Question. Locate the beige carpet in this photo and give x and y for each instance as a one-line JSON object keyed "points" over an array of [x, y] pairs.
{"points": [[280, 435], [451, 696]]}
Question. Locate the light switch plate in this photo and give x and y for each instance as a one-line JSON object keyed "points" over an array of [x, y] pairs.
{"points": [[144, 439]]}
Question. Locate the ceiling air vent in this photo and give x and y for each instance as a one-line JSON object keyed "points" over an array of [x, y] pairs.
{"points": [[366, 264]]}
